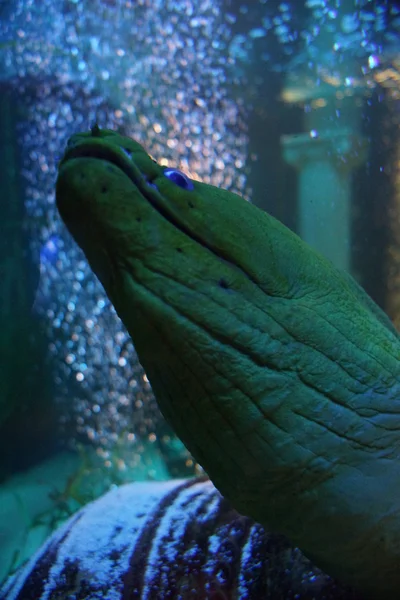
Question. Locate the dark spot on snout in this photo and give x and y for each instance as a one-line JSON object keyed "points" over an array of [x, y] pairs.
{"points": [[104, 189], [139, 219], [190, 203], [223, 284], [179, 250]]}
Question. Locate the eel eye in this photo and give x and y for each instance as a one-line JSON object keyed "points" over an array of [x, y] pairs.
{"points": [[179, 178]]}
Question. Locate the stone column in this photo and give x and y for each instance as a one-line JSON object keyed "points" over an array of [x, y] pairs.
{"points": [[391, 169], [325, 160], [27, 412]]}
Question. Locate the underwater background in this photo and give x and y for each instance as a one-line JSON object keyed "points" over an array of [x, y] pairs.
{"points": [[294, 105]]}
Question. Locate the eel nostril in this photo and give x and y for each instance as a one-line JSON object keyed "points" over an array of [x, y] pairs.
{"points": [[95, 130]]}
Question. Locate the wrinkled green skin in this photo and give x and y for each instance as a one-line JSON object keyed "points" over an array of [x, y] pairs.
{"points": [[276, 370]]}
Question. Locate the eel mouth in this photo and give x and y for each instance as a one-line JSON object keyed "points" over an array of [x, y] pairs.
{"points": [[118, 156], [123, 159]]}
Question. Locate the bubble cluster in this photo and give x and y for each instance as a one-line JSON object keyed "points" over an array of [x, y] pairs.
{"points": [[320, 33], [147, 69]]}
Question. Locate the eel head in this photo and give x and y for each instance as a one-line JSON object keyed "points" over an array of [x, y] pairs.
{"points": [[277, 371]]}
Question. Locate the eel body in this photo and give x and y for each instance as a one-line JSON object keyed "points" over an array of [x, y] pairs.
{"points": [[277, 371]]}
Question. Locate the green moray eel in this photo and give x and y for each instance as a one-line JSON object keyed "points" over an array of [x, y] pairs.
{"points": [[277, 371]]}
